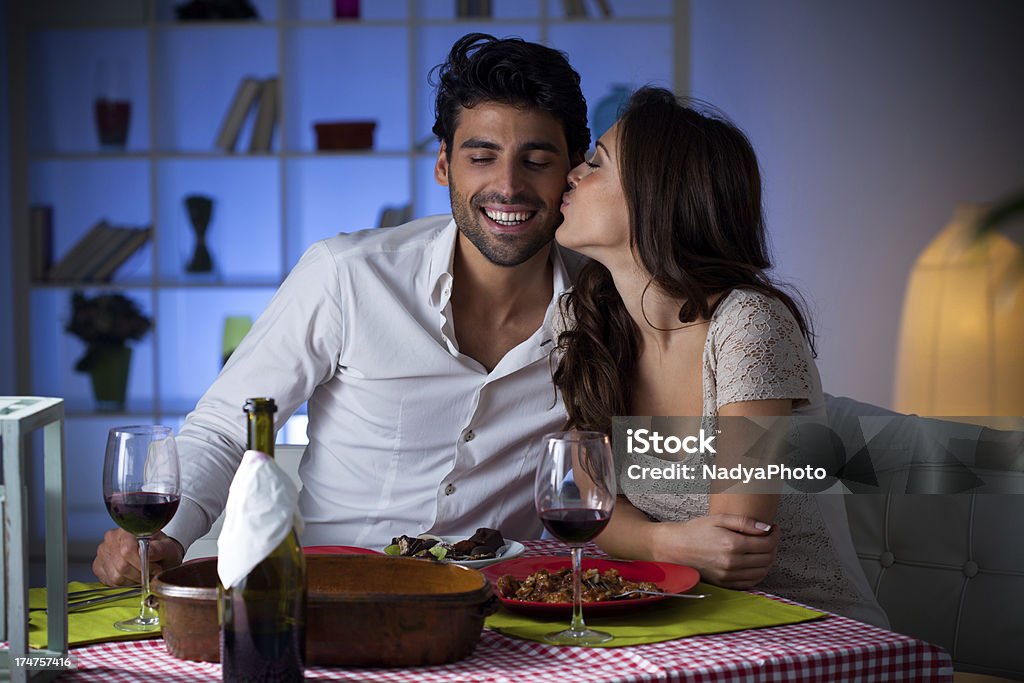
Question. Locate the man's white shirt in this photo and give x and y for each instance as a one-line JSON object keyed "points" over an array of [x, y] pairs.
{"points": [[406, 435]]}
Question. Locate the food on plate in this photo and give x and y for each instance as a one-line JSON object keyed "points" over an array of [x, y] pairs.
{"points": [[595, 586], [483, 545]]}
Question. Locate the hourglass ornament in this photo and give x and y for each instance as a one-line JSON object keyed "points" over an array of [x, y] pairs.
{"points": [[200, 209]]}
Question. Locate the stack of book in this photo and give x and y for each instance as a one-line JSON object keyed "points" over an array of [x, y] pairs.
{"points": [[98, 254], [253, 94]]}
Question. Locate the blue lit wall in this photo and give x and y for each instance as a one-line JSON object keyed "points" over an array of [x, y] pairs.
{"points": [[871, 121]]}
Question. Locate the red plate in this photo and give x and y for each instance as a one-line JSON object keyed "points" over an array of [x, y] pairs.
{"points": [[671, 578], [338, 550]]}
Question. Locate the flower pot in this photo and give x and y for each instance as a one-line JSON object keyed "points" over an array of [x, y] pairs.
{"points": [[109, 374]]}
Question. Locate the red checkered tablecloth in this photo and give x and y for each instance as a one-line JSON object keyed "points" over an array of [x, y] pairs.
{"points": [[831, 649]]}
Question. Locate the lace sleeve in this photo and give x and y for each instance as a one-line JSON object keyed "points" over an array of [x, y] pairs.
{"points": [[759, 352]]}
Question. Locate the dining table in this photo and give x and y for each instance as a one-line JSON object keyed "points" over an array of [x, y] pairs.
{"points": [[831, 648]]}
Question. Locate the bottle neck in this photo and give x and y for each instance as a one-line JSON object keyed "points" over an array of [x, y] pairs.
{"points": [[261, 432]]}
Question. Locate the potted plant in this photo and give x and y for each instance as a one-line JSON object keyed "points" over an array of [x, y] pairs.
{"points": [[105, 323]]}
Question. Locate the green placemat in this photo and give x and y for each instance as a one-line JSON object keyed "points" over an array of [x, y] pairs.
{"points": [[90, 625], [725, 610]]}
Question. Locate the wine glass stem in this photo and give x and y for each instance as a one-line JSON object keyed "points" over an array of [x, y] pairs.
{"points": [[577, 624], [145, 611]]}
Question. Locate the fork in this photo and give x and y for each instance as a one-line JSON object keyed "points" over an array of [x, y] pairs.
{"points": [[90, 591], [662, 595], [82, 604]]}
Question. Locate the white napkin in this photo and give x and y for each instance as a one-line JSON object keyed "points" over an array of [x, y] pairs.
{"points": [[261, 510]]}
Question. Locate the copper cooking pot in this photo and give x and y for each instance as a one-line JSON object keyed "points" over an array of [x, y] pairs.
{"points": [[361, 610]]}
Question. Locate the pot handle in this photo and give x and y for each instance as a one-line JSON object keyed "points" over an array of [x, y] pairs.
{"points": [[489, 606]]}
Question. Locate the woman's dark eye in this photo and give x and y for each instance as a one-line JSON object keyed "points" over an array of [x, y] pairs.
{"points": [[591, 164]]}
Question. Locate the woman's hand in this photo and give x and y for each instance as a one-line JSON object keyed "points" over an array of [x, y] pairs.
{"points": [[732, 551]]}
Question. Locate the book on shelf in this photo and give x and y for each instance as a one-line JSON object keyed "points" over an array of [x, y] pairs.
{"points": [[76, 257], [574, 9], [473, 9], [108, 241], [99, 253], [40, 226], [135, 240], [246, 96], [266, 117]]}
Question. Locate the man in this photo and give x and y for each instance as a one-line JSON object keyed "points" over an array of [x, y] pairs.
{"points": [[422, 349]]}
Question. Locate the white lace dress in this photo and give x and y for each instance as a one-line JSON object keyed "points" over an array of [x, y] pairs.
{"points": [[755, 351]]}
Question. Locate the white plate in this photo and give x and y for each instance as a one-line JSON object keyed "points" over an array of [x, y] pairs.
{"points": [[510, 550]]}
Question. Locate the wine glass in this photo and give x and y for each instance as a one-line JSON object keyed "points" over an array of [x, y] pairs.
{"points": [[575, 513], [141, 488]]}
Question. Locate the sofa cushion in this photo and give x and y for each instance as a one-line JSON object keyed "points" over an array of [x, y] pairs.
{"points": [[947, 567]]}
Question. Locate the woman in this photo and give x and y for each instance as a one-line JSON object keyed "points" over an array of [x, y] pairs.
{"points": [[676, 316]]}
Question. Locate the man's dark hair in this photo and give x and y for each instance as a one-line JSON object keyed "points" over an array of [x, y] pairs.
{"points": [[482, 68]]}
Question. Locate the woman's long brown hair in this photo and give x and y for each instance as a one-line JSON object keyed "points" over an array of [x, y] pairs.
{"points": [[693, 190]]}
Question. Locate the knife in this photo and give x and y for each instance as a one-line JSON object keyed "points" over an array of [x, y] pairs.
{"points": [[83, 604]]}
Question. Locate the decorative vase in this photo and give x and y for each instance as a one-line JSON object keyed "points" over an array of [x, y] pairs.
{"points": [[109, 375], [112, 106], [200, 210], [235, 329], [346, 9]]}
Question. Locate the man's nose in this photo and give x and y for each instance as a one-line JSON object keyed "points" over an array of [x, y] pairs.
{"points": [[511, 180]]}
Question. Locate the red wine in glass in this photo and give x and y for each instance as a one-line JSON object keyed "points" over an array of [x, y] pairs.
{"points": [[142, 513], [575, 525], [574, 491]]}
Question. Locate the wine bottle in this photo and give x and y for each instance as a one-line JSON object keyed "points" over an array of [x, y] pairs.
{"points": [[263, 615]]}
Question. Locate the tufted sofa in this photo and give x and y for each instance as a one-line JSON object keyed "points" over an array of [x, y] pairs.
{"points": [[948, 565]]}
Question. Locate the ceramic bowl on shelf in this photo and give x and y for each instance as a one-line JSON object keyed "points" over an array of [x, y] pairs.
{"points": [[340, 135]]}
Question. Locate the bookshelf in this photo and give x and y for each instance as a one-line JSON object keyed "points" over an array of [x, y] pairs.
{"points": [[180, 78]]}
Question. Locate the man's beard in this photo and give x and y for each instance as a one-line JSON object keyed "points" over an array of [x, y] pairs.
{"points": [[501, 250]]}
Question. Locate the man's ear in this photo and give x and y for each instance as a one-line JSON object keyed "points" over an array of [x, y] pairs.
{"points": [[441, 167]]}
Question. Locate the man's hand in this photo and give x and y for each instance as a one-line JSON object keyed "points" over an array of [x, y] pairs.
{"points": [[732, 551], [118, 563]]}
